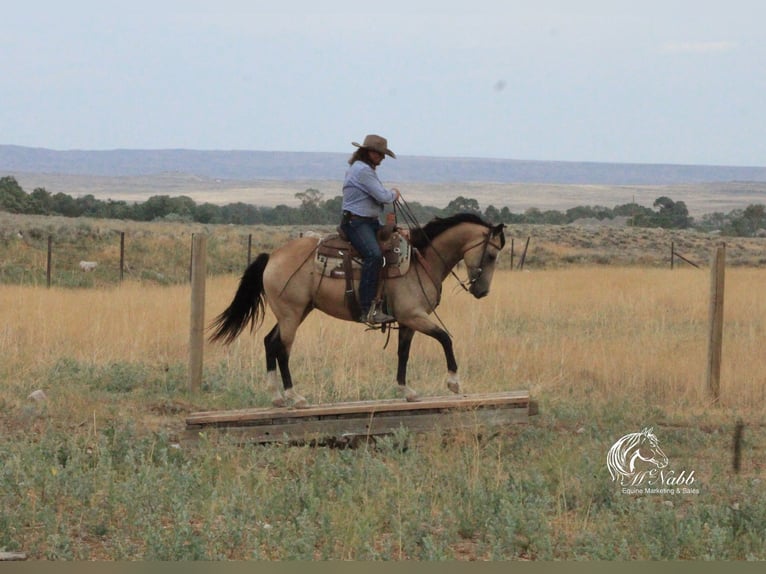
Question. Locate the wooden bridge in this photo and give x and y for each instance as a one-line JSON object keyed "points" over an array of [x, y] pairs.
{"points": [[346, 423]]}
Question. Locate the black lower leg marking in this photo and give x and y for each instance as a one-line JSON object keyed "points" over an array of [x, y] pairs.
{"points": [[276, 353], [405, 342], [446, 342], [271, 357]]}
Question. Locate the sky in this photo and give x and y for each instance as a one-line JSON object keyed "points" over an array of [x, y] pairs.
{"points": [[677, 82]]}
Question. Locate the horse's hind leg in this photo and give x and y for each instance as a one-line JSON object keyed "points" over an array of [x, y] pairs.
{"points": [[271, 342], [278, 354]]}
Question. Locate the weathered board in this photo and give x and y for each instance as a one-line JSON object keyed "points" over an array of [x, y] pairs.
{"points": [[346, 422], [12, 556]]}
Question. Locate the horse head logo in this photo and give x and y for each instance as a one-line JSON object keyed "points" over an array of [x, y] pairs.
{"points": [[627, 452]]}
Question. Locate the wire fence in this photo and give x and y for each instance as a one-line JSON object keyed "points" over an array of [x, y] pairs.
{"points": [[95, 257]]}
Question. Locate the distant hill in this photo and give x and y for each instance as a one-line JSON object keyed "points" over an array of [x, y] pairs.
{"points": [[296, 166]]}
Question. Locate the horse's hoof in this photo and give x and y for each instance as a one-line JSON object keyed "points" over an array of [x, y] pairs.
{"points": [[278, 402], [453, 383], [410, 395], [296, 401]]}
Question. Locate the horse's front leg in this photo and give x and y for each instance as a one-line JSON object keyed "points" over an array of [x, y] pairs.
{"points": [[405, 342], [428, 327], [453, 380]]}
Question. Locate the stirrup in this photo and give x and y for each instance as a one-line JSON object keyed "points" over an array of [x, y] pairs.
{"points": [[377, 317]]}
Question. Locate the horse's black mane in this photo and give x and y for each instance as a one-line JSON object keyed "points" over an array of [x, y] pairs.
{"points": [[420, 237]]}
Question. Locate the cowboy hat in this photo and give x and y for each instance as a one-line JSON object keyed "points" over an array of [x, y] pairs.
{"points": [[376, 143]]}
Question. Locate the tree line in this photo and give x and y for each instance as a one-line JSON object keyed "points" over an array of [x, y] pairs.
{"points": [[314, 209]]}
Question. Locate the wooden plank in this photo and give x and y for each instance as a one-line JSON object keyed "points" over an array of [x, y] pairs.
{"points": [[363, 418], [347, 429], [360, 407], [12, 556]]}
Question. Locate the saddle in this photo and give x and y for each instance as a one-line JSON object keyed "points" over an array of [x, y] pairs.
{"points": [[336, 258]]}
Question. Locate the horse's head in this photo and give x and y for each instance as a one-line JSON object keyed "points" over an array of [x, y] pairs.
{"points": [[471, 239], [480, 258], [649, 449]]}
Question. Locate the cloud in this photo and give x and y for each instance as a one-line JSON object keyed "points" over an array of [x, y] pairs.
{"points": [[716, 47]]}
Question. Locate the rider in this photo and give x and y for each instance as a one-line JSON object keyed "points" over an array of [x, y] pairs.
{"points": [[363, 200]]}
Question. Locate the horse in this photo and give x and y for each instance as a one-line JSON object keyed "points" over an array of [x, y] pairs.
{"points": [[623, 455], [288, 282]]}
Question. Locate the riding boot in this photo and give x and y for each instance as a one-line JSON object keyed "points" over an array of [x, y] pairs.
{"points": [[376, 316]]}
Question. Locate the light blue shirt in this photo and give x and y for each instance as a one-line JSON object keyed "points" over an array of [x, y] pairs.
{"points": [[363, 194]]}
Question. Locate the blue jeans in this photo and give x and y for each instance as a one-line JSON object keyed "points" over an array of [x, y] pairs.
{"points": [[363, 236]]}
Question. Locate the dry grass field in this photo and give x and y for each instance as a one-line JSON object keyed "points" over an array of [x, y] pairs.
{"points": [[96, 472], [587, 335]]}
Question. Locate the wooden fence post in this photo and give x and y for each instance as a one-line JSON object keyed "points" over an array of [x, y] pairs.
{"points": [[48, 266], [524, 254], [122, 255], [197, 323], [191, 258], [249, 248], [676, 255], [672, 254], [715, 340]]}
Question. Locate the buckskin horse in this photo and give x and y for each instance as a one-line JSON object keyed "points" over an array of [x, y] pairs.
{"points": [[288, 281]]}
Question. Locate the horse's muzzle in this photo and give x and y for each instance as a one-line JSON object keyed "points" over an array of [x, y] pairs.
{"points": [[479, 291]]}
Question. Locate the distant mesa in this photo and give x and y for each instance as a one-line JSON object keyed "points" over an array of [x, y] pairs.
{"points": [[297, 166]]}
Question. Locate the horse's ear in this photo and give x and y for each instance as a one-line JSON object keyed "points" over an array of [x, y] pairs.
{"points": [[498, 230]]}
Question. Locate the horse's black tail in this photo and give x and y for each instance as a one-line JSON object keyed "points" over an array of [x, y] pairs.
{"points": [[247, 306]]}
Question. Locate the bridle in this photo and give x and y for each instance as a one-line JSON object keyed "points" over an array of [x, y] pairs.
{"points": [[475, 273]]}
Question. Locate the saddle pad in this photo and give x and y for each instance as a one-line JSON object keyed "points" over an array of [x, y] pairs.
{"points": [[329, 254]]}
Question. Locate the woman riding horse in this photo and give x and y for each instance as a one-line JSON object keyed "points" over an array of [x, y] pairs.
{"points": [[363, 200], [286, 279]]}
